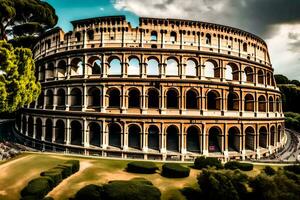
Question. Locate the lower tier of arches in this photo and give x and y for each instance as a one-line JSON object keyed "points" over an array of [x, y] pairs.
{"points": [[179, 139]]}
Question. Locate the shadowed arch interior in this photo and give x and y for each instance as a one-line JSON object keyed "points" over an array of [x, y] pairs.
{"points": [[153, 137], [95, 134], [60, 132], [193, 139], [61, 97], [38, 129], [191, 100], [153, 98], [94, 97], [134, 136], [115, 136], [172, 139], [263, 137], [249, 103], [272, 136], [215, 140], [30, 126], [234, 139], [76, 133], [172, 99], [213, 100], [134, 98], [250, 138], [49, 130], [233, 101], [76, 99], [114, 98]]}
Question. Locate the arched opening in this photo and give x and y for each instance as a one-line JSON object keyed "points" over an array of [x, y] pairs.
{"points": [[250, 138], [30, 126], [273, 138], [208, 39], [172, 99], [76, 99], [232, 72], [277, 105], [38, 129], [76, 133], [94, 97], [90, 34], [173, 36], [263, 137], [215, 140], [49, 98], [191, 68], [60, 132], [49, 130], [41, 100], [234, 139], [271, 104], [61, 97], [134, 98], [78, 36], [153, 36], [114, 98], [249, 103], [115, 67], [172, 139], [245, 47], [94, 65], [76, 67], [134, 136], [50, 71], [42, 73], [193, 139], [249, 74], [191, 100], [213, 100], [152, 67], [114, 135], [61, 69], [260, 75], [153, 98], [172, 67], [153, 137], [279, 133], [233, 101], [268, 78], [134, 67], [210, 69], [95, 135], [24, 125], [261, 103]]}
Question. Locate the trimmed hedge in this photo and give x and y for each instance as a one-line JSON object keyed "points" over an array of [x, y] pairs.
{"points": [[89, 192], [37, 188], [269, 171], [54, 174], [205, 162], [142, 167], [175, 170], [292, 168], [75, 165], [232, 165]]}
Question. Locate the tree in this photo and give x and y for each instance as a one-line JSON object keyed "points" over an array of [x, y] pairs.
{"points": [[18, 85], [25, 18], [281, 79]]}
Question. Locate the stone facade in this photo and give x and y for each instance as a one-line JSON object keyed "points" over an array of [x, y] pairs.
{"points": [[168, 89]]}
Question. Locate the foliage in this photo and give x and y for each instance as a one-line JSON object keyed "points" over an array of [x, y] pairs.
{"points": [[18, 85], [75, 165], [238, 165], [281, 79], [55, 175], [292, 120], [25, 18], [36, 188], [143, 167], [175, 170], [90, 192], [292, 168], [269, 171], [205, 162]]}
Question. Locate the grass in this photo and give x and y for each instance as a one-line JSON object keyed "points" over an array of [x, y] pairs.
{"points": [[16, 173]]}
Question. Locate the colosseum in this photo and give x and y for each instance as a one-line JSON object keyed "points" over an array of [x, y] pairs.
{"points": [[168, 89]]}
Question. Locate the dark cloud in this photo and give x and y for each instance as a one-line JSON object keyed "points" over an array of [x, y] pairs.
{"points": [[293, 36]]}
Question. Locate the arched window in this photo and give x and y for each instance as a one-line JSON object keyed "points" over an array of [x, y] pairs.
{"points": [[261, 103], [134, 98], [153, 36], [277, 104], [249, 103], [93, 97], [232, 72], [215, 139], [260, 74], [245, 47], [172, 99], [208, 39], [279, 134], [96, 69], [271, 104], [114, 135], [234, 139], [49, 98], [76, 99], [95, 135], [90, 34], [41, 100], [115, 67], [134, 67], [272, 135], [61, 69], [76, 67], [153, 137], [61, 97], [38, 129], [172, 67], [233, 101], [153, 98], [173, 36], [30, 126], [263, 137], [134, 137], [193, 139], [250, 138], [114, 98], [191, 68], [191, 100], [78, 36], [172, 138], [60, 132], [76, 133], [249, 74], [49, 127], [152, 67], [209, 69], [213, 100]]}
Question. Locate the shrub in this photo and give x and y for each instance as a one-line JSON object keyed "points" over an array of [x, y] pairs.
{"points": [[54, 174], [130, 190], [89, 192], [66, 170], [175, 170], [205, 162], [37, 188], [142, 167], [237, 165], [75, 165], [292, 168], [269, 171]]}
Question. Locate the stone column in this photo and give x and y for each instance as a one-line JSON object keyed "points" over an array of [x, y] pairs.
{"points": [[68, 99], [125, 138], [68, 134], [84, 100], [103, 99], [162, 100], [105, 141], [144, 107], [144, 138], [123, 100], [85, 134], [205, 140]]}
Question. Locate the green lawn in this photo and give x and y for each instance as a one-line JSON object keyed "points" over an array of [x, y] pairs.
{"points": [[17, 172]]}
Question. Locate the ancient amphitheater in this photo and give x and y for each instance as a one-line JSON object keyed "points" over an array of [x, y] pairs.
{"points": [[167, 90]]}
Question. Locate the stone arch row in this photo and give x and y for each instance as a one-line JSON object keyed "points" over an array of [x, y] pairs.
{"points": [[168, 138], [117, 65], [154, 98]]}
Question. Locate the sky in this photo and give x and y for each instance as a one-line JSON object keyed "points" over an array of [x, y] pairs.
{"points": [[276, 21]]}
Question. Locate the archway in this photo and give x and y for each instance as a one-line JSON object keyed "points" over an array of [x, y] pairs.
{"points": [[114, 98], [49, 98], [172, 67], [134, 98], [30, 126], [134, 136], [172, 138], [38, 129], [261, 103], [249, 74], [152, 67], [76, 99], [279, 132], [233, 101], [114, 133], [61, 97], [250, 138], [115, 67], [95, 134], [234, 139], [263, 137], [271, 104], [260, 75], [134, 67], [60, 132], [153, 137], [249, 103], [76, 133], [153, 98], [191, 68], [49, 132], [93, 97], [215, 140], [272, 138], [193, 139], [213, 100], [191, 100], [172, 99]]}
